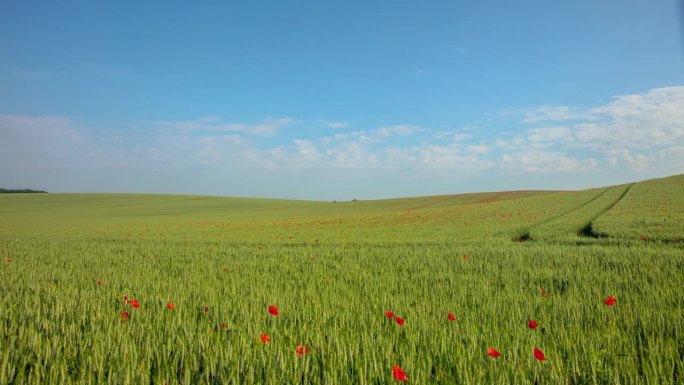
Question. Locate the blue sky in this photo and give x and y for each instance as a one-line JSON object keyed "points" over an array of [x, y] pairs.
{"points": [[339, 100]]}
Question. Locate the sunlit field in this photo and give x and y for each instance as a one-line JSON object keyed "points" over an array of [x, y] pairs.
{"points": [[577, 287]]}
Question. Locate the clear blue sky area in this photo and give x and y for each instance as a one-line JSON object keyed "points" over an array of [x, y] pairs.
{"points": [[334, 100]]}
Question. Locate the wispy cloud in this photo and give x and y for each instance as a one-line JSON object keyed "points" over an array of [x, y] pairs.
{"points": [[543, 114], [629, 131], [540, 161], [54, 145], [36, 142], [337, 125], [641, 134], [268, 127]]}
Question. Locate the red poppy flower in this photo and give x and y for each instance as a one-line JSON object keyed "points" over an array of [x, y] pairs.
{"points": [[99, 283], [8, 260], [223, 326], [135, 303], [400, 321], [389, 314], [451, 317], [539, 355], [399, 374], [273, 310], [124, 315], [465, 257], [302, 350], [126, 300], [543, 293], [170, 306], [265, 338], [532, 324], [610, 301], [225, 269], [493, 353], [206, 309]]}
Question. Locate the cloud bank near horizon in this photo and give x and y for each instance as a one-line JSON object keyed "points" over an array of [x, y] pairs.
{"points": [[630, 137]]}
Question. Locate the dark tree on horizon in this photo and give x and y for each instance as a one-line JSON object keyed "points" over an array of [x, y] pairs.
{"points": [[20, 191]]}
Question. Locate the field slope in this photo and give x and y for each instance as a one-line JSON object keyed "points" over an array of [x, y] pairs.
{"points": [[204, 271]]}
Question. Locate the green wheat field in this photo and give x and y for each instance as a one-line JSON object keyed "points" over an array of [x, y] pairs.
{"points": [[203, 272]]}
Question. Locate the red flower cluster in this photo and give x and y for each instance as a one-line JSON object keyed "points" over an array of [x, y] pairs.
{"points": [[389, 314], [493, 353], [399, 374], [302, 350], [133, 302]]}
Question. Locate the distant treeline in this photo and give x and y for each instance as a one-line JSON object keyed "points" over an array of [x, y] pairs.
{"points": [[17, 191]]}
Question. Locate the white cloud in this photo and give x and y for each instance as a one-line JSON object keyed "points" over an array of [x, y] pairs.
{"points": [[670, 160], [549, 113], [208, 119], [337, 125], [451, 136], [397, 130], [546, 162], [653, 119], [549, 134], [627, 132], [478, 149], [219, 149], [361, 153], [590, 133], [268, 127], [38, 127], [378, 135], [48, 151], [543, 114], [35, 142], [307, 150], [639, 134]]}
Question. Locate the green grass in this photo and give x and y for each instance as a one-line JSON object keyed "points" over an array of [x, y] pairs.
{"points": [[333, 269]]}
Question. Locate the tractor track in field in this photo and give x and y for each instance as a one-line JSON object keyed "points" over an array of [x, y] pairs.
{"points": [[612, 204], [566, 212], [586, 230]]}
